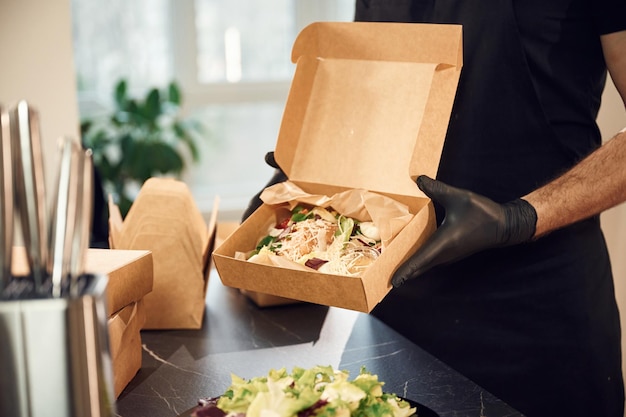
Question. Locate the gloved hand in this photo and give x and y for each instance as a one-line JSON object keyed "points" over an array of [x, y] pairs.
{"points": [[471, 224], [279, 176]]}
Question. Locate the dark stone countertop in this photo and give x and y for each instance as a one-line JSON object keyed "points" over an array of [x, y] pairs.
{"points": [[180, 366]]}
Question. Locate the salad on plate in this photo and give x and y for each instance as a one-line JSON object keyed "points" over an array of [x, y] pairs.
{"points": [[320, 391]]}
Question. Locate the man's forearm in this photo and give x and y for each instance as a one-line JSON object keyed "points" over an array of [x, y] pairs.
{"points": [[596, 184]]}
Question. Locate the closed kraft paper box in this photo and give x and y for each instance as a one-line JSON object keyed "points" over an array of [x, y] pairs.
{"points": [[125, 341], [165, 220], [130, 274], [129, 279], [368, 109]]}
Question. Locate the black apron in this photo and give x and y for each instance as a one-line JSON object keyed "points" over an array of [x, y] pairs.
{"points": [[536, 324]]}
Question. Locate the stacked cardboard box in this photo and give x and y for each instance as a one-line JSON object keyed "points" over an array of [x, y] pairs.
{"points": [[129, 279], [130, 276]]}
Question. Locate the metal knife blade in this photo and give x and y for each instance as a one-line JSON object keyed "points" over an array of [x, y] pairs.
{"points": [[63, 214], [30, 187], [6, 205], [84, 215]]}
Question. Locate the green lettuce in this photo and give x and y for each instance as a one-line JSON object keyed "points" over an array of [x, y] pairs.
{"points": [[320, 391]]}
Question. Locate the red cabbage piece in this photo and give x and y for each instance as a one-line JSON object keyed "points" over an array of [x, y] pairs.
{"points": [[315, 263]]}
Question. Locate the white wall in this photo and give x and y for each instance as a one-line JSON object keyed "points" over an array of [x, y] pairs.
{"points": [[37, 65]]}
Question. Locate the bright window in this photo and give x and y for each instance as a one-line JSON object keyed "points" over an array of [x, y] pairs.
{"points": [[230, 48], [232, 60]]}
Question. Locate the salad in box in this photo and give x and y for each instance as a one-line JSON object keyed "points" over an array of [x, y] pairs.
{"points": [[367, 113]]}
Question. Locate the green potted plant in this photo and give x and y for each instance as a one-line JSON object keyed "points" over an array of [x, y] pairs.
{"points": [[139, 139]]}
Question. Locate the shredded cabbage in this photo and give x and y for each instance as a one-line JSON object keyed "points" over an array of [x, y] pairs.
{"points": [[324, 240]]}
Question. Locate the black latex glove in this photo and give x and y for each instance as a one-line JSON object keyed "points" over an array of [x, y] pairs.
{"points": [[279, 176], [472, 223]]}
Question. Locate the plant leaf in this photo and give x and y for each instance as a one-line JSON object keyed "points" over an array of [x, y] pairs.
{"points": [[166, 158], [152, 107], [124, 204], [174, 94], [132, 143], [85, 126], [149, 158], [120, 93]]}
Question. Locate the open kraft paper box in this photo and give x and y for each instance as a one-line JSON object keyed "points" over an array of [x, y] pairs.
{"points": [[368, 109], [129, 279], [224, 229], [165, 220]]}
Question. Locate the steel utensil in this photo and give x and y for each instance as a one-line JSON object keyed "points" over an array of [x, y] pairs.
{"points": [[55, 356], [6, 205], [54, 348], [30, 187], [84, 213], [64, 213]]}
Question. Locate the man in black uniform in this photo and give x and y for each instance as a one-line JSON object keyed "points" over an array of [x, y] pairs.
{"points": [[517, 293], [519, 296]]}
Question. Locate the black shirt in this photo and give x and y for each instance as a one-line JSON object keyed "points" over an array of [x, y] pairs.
{"points": [[536, 324]]}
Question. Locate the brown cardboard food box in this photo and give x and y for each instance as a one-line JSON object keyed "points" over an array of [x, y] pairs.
{"points": [[224, 230], [267, 300], [368, 109], [125, 341], [165, 220], [129, 275]]}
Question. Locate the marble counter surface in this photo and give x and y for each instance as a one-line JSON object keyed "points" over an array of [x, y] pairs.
{"points": [[180, 366]]}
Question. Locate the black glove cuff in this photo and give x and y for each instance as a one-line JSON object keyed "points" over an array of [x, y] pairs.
{"points": [[279, 176], [269, 160], [521, 221]]}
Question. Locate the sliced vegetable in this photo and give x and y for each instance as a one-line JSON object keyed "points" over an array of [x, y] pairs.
{"points": [[319, 391], [266, 241], [315, 263], [322, 239], [299, 214], [346, 225], [369, 230], [324, 214]]}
